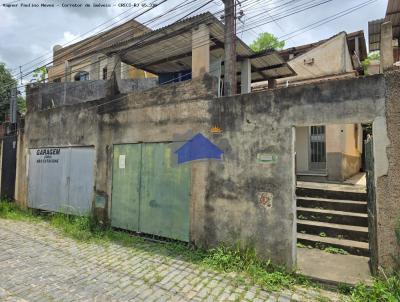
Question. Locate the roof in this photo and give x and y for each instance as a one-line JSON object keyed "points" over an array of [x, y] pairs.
{"points": [[169, 49], [299, 50], [374, 27], [96, 43]]}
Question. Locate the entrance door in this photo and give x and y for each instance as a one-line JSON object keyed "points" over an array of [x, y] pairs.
{"points": [[9, 159], [61, 179], [317, 148], [126, 186], [164, 198], [150, 191]]}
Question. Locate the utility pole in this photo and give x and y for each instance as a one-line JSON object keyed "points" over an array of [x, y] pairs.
{"points": [[230, 48]]}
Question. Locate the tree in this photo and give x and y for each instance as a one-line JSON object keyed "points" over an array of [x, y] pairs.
{"points": [[6, 83], [39, 75], [21, 105], [266, 41]]}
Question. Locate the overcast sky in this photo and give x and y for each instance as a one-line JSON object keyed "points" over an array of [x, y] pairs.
{"points": [[27, 33]]}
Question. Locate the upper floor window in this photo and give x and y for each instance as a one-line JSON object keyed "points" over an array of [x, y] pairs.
{"points": [[81, 76]]}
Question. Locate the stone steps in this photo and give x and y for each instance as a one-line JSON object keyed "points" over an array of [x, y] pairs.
{"points": [[343, 231], [333, 218], [332, 204], [350, 246], [330, 194]]}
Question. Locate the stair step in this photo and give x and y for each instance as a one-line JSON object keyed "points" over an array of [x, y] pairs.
{"points": [[330, 194], [349, 232], [351, 246], [333, 204], [332, 216]]}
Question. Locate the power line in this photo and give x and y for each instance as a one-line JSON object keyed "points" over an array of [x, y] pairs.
{"points": [[244, 30]]}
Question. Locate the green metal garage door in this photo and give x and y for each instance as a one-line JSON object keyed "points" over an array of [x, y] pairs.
{"points": [[150, 191]]}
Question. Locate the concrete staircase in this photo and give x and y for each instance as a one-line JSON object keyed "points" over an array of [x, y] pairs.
{"points": [[332, 216]]}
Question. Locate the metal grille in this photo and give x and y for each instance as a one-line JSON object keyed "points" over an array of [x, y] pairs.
{"points": [[317, 148]]}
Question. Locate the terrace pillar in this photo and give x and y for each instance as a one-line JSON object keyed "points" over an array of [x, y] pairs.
{"points": [[67, 72], [94, 68], [245, 76], [200, 51], [386, 46]]}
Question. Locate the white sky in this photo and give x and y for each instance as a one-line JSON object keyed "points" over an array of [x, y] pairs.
{"points": [[27, 33]]}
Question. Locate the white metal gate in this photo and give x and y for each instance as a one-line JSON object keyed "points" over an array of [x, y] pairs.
{"points": [[61, 179]]}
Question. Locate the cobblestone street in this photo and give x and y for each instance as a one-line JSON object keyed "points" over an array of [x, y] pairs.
{"points": [[39, 264]]}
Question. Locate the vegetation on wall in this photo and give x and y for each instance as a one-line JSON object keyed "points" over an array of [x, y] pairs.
{"points": [[371, 57], [266, 41]]}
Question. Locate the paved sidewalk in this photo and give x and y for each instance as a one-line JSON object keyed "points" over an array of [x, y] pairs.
{"points": [[39, 264]]}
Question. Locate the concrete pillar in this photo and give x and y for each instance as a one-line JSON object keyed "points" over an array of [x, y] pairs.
{"points": [[67, 72], [357, 46], [94, 73], [386, 46], [245, 78], [200, 51], [271, 83]]}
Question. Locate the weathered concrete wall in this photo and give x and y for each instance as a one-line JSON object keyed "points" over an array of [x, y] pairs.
{"points": [[262, 124], [241, 198], [388, 177], [302, 142], [52, 95]]}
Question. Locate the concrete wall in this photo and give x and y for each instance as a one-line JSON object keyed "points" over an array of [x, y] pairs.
{"points": [[302, 147], [51, 95], [387, 174], [225, 195]]}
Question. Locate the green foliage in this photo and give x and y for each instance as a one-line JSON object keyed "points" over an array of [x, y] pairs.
{"points": [[21, 104], [334, 250], [39, 75], [9, 210], [344, 289], [382, 290], [246, 262], [266, 41], [6, 82], [371, 57]]}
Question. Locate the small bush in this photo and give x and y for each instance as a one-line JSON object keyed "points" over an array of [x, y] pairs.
{"points": [[10, 210], [382, 290], [235, 259]]}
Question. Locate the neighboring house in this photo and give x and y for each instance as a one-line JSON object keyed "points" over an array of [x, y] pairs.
{"points": [[374, 34], [86, 59], [327, 152]]}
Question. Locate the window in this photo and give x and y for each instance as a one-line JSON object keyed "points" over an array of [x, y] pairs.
{"points": [[81, 76], [57, 80], [105, 73]]}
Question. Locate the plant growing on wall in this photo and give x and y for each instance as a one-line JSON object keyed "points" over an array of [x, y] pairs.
{"points": [[371, 57]]}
